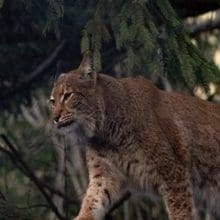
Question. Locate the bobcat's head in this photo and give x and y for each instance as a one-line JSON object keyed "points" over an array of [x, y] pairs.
{"points": [[74, 100]]}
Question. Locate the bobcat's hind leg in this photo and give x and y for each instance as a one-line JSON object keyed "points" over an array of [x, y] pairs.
{"points": [[177, 194]]}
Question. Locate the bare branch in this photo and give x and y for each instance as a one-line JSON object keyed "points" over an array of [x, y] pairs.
{"points": [[36, 73], [204, 26], [59, 193]]}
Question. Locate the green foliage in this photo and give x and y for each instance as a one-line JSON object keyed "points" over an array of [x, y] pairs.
{"points": [[141, 29], [54, 16]]}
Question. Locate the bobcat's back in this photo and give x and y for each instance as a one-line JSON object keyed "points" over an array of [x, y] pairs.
{"points": [[172, 124]]}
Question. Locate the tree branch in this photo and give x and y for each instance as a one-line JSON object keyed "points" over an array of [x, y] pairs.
{"points": [[59, 193], [36, 73], [204, 26]]}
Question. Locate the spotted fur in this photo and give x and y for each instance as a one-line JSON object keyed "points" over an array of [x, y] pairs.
{"points": [[137, 136]]}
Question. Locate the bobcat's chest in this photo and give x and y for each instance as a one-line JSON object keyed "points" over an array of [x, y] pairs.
{"points": [[76, 133]]}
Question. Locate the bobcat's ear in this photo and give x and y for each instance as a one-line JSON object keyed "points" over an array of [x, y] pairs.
{"points": [[86, 70]]}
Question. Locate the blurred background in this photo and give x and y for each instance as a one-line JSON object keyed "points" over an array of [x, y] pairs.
{"points": [[175, 43]]}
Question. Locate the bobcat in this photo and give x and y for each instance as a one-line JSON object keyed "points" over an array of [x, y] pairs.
{"points": [[139, 137]]}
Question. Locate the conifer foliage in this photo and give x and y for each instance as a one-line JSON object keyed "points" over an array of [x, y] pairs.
{"points": [[152, 38], [146, 36]]}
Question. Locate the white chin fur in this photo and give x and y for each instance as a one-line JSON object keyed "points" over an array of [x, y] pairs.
{"points": [[76, 133], [66, 130]]}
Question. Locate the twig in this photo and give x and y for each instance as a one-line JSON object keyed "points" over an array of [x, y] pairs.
{"points": [[59, 193], [119, 203]]}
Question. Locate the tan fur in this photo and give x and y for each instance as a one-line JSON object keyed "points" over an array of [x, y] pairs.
{"points": [[137, 136]]}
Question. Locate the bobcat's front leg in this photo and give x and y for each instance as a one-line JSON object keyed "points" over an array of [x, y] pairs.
{"points": [[105, 188], [177, 195]]}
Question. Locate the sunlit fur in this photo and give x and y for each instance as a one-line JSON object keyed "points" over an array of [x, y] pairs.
{"points": [[138, 137]]}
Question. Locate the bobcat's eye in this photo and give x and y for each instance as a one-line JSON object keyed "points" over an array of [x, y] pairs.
{"points": [[67, 95]]}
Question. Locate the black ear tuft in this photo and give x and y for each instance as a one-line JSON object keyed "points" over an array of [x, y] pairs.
{"points": [[87, 73], [86, 65]]}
